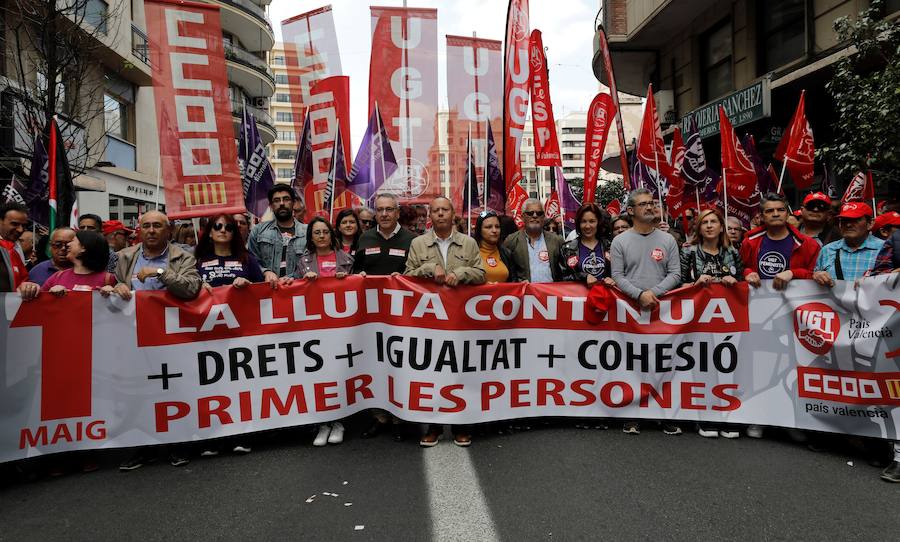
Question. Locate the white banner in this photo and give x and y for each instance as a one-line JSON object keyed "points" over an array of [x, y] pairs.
{"points": [[83, 372]]}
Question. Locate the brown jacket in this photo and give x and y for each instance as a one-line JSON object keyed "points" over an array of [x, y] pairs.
{"points": [[463, 258], [180, 276], [517, 244]]}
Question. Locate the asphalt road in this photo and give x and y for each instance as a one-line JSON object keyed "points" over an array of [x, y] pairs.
{"points": [[550, 483]]}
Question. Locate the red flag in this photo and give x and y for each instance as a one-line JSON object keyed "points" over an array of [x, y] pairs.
{"points": [[651, 150], [516, 197], [193, 107], [515, 89], [737, 168], [603, 49], [551, 206], [546, 146], [796, 148], [678, 151], [614, 208], [676, 200], [861, 188], [599, 119]]}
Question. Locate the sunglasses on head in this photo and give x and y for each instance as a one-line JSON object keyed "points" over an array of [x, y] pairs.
{"points": [[228, 227], [486, 214]]}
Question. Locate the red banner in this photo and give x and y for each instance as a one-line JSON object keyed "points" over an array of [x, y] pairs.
{"points": [[515, 198], [552, 206], [515, 89], [651, 150], [474, 95], [796, 148], [198, 154], [603, 46], [329, 107], [737, 169], [403, 82], [599, 117], [546, 144]]}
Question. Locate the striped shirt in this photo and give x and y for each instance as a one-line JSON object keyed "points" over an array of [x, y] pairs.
{"points": [[854, 263]]}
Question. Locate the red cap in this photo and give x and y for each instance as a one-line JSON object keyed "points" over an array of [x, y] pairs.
{"points": [[886, 219], [855, 209], [816, 196], [114, 225], [798, 213]]}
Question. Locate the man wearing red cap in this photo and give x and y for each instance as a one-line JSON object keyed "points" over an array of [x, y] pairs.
{"points": [[885, 224], [854, 255], [816, 219], [117, 236]]}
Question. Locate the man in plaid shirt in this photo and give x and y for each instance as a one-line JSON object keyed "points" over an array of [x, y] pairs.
{"points": [[853, 256]]}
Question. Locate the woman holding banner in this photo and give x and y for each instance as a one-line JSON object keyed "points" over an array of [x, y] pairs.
{"points": [[497, 260], [221, 257], [709, 259], [586, 258], [324, 258]]}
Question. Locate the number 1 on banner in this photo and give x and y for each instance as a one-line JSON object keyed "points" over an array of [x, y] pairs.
{"points": [[66, 342]]}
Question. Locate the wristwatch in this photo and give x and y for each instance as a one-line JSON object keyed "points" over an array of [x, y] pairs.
{"points": [[159, 272]]}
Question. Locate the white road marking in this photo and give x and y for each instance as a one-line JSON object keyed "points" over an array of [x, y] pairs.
{"points": [[459, 510]]}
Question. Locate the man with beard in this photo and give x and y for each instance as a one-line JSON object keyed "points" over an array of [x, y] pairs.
{"points": [[279, 243], [534, 251], [645, 265]]}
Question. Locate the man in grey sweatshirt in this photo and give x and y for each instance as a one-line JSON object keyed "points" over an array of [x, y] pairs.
{"points": [[645, 264]]}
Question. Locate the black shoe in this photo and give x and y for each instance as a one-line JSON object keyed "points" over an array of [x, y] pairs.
{"points": [[892, 472], [177, 460], [397, 432], [671, 429], [134, 462], [373, 431]]}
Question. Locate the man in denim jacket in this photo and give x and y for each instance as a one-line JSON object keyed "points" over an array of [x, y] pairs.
{"points": [[278, 244]]}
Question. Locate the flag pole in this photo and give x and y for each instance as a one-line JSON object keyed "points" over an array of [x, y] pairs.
{"points": [[697, 194], [725, 190], [468, 177], [562, 209], [658, 183], [378, 122], [781, 177], [337, 135], [485, 187], [158, 175]]}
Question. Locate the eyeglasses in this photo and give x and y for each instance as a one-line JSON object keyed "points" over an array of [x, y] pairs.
{"points": [[367, 222], [486, 214], [58, 244], [383, 210], [651, 204], [817, 207], [533, 214], [228, 227]]}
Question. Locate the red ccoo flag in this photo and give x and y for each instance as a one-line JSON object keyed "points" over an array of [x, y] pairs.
{"points": [[737, 168], [796, 149], [861, 188], [651, 150]]}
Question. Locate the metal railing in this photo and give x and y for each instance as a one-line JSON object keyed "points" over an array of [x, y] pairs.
{"points": [[251, 8], [237, 54], [140, 44], [262, 117]]}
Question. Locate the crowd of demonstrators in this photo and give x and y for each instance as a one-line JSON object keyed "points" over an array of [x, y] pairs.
{"points": [[637, 252]]}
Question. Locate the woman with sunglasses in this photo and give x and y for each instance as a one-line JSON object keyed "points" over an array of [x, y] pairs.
{"points": [[497, 260], [586, 258], [324, 258], [222, 259], [349, 230], [709, 259]]}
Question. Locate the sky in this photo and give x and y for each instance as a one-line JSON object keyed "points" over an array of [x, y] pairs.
{"points": [[567, 34]]}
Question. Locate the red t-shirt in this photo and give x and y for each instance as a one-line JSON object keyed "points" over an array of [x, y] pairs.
{"points": [[20, 272], [73, 281], [327, 265]]}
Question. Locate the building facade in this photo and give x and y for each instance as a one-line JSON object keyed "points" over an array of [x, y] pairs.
{"points": [[283, 150]]}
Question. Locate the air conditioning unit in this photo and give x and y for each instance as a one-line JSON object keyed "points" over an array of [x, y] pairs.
{"points": [[665, 106]]}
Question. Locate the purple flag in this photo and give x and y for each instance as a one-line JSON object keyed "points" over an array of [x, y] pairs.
{"points": [[494, 186], [641, 174], [828, 186], [764, 182], [470, 185], [567, 200], [337, 175], [36, 194], [375, 161], [256, 172], [303, 161]]}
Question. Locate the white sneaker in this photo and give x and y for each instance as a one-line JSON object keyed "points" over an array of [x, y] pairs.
{"points": [[708, 433], [337, 433], [241, 449], [322, 437], [755, 431], [729, 434], [209, 453]]}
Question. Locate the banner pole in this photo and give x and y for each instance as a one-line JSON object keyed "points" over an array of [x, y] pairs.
{"points": [[658, 183], [781, 177], [468, 177], [697, 194], [158, 175], [337, 135], [383, 170], [562, 209]]}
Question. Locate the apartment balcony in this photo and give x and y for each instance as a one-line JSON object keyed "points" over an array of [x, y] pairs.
{"points": [[263, 121], [249, 72], [249, 22]]}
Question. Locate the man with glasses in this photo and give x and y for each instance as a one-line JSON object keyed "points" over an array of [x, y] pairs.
{"points": [[735, 232], [59, 252], [366, 219], [776, 251], [535, 252], [383, 251], [816, 219], [645, 265], [278, 244]]}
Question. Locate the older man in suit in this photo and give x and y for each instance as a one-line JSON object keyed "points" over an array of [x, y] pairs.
{"points": [[535, 251]]}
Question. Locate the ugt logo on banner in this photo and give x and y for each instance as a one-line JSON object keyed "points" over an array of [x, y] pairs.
{"points": [[816, 326]]}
